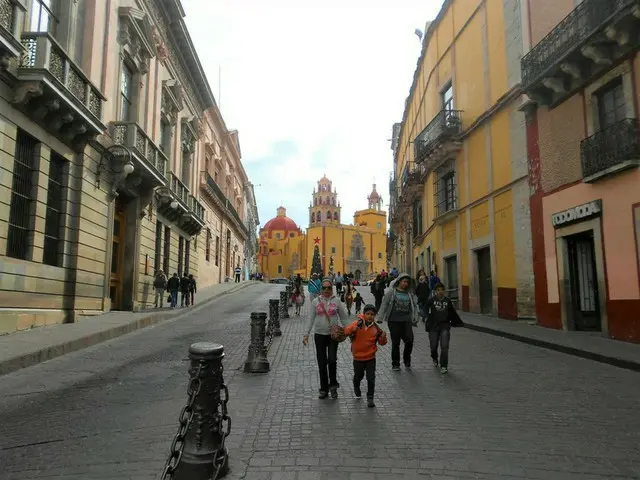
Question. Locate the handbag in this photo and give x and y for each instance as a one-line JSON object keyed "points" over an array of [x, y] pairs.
{"points": [[335, 331], [169, 298]]}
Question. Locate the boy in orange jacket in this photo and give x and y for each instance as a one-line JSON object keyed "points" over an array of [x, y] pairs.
{"points": [[365, 337]]}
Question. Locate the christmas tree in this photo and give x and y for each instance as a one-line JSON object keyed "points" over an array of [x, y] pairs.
{"points": [[331, 265], [316, 266]]}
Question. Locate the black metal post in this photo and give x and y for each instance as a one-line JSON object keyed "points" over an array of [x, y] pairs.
{"points": [[284, 305], [274, 317], [256, 358], [198, 451]]}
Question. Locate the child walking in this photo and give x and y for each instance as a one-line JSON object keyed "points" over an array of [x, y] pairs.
{"points": [[297, 298], [358, 300], [441, 316], [365, 337]]}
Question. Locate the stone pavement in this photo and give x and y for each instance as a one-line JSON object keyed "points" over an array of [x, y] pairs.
{"points": [[29, 347], [506, 410]]}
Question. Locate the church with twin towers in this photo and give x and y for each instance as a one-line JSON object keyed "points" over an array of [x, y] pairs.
{"points": [[358, 247]]}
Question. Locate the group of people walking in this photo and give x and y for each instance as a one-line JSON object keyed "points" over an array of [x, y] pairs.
{"points": [[400, 305], [186, 285]]}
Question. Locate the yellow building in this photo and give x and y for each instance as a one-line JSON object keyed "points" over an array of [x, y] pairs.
{"points": [[459, 192], [359, 248]]}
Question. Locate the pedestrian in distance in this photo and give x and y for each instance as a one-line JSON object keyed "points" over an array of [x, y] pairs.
{"points": [[365, 338], [358, 301], [441, 316], [237, 272], [326, 313], [185, 285], [159, 285], [297, 298], [400, 310], [193, 288], [173, 285], [314, 287], [423, 293]]}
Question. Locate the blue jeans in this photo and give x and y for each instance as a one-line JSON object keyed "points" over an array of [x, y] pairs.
{"points": [[174, 298], [441, 334]]}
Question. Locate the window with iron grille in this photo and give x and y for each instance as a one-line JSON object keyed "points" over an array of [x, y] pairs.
{"points": [[158, 252], [126, 93], [23, 197], [167, 250], [180, 255], [187, 255], [207, 247], [217, 259], [56, 199], [445, 196], [42, 16]]}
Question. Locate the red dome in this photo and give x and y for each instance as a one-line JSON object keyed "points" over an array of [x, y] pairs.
{"points": [[280, 222]]}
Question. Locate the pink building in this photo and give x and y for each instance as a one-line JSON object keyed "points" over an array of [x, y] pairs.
{"points": [[581, 75]]}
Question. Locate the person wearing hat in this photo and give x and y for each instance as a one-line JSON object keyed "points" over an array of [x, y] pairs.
{"points": [[326, 311], [365, 338], [314, 287]]}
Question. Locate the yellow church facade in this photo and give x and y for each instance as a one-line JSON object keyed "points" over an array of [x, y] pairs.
{"points": [[360, 248]]}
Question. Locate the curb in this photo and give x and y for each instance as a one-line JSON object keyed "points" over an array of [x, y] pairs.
{"points": [[42, 355], [596, 357]]}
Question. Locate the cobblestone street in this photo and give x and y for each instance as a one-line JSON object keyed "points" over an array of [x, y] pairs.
{"points": [[505, 410]]}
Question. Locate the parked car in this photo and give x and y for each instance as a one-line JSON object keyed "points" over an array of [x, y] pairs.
{"points": [[280, 280]]}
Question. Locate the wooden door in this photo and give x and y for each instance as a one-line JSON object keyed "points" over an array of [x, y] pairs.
{"points": [[117, 255]]}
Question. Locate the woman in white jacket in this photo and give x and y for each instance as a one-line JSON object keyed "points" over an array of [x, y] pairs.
{"points": [[325, 311]]}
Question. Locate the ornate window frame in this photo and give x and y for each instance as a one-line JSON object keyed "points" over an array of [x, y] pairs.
{"points": [[172, 101], [136, 38]]}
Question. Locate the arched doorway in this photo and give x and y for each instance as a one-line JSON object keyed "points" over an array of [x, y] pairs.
{"points": [[357, 274]]}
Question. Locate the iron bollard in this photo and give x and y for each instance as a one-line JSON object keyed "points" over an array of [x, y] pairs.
{"points": [[198, 451], [274, 317], [284, 305], [257, 357]]}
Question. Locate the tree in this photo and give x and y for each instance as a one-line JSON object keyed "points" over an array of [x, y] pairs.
{"points": [[316, 266], [331, 265]]}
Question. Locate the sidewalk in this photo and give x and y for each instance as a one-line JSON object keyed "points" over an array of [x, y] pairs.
{"points": [[29, 347], [589, 345]]}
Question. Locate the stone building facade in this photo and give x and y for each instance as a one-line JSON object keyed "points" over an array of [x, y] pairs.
{"points": [[106, 125]]}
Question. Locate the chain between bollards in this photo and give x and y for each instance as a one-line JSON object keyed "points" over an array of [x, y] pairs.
{"points": [[198, 450]]}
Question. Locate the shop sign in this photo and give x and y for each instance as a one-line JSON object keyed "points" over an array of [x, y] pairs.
{"points": [[576, 214]]}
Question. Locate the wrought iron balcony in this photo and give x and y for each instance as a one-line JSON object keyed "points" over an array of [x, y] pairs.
{"points": [[196, 207], [179, 189], [611, 150], [150, 162], [209, 186], [582, 46], [11, 13], [54, 91], [439, 139], [193, 221]]}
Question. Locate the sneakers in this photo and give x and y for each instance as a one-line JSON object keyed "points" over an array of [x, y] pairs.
{"points": [[334, 392], [407, 365], [357, 391], [444, 370], [370, 403], [322, 395], [396, 368], [435, 362]]}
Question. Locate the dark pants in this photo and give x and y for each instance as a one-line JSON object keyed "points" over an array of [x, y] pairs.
{"points": [[192, 296], [237, 278], [401, 331], [378, 298], [327, 356], [184, 299], [174, 298], [440, 335], [359, 369], [338, 287]]}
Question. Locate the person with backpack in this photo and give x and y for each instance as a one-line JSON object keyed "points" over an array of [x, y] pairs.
{"points": [[173, 285], [185, 285], [365, 337], [160, 285], [433, 281], [399, 309]]}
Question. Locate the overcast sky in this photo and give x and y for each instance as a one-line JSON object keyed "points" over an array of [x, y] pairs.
{"points": [[311, 89]]}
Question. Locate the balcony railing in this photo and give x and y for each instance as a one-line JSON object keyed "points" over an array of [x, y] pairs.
{"points": [[573, 32], [132, 136], [447, 124], [196, 207], [43, 53], [211, 183], [9, 21], [179, 189], [612, 149]]}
